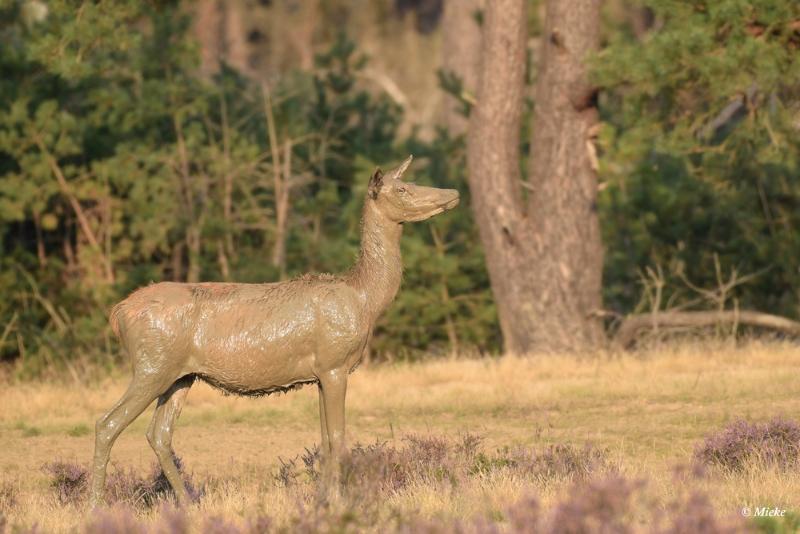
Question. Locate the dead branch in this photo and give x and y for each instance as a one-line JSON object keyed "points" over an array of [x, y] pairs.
{"points": [[631, 326], [7, 330], [83, 221], [280, 176], [388, 85]]}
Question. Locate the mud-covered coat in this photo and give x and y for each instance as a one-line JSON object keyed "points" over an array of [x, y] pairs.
{"points": [[255, 339]]}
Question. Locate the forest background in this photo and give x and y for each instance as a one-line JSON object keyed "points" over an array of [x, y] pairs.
{"points": [[213, 141]]}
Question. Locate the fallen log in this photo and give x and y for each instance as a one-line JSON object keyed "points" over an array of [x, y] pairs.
{"points": [[629, 329]]}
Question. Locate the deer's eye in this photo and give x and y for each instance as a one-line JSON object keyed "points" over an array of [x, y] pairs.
{"points": [[401, 189]]}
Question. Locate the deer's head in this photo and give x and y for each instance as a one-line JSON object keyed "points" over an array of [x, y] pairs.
{"points": [[403, 202]]}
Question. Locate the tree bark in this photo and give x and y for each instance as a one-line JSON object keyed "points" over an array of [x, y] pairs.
{"points": [[208, 30], [237, 51], [461, 55], [567, 277], [544, 256], [493, 162], [220, 29]]}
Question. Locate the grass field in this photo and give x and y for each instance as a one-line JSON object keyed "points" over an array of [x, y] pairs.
{"points": [[648, 411]]}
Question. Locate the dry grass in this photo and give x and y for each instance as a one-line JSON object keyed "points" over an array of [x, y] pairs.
{"points": [[647, 410]]}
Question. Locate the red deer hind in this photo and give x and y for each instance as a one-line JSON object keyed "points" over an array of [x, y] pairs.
{"points": [[255, 339]]}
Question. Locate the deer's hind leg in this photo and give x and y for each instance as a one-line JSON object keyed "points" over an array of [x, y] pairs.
{"points": [[159, 434], [143, 389]]}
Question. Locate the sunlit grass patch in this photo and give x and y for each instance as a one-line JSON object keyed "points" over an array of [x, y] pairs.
{"points": [[79, 430], [643, 414]]}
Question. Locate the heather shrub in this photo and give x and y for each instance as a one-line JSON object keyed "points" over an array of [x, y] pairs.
{"points": [[524, 515], [554, 462], [774, 443], [156, 487], [602, 505], [117, 520], [422, 459], [694, 514], [378, 467], [597, 506], [607, 504], [371, 474], [287, 473], [691, 511], [126, 486], [122, 519], [469, 446], [290, 473], [321, 516], [381, 468], [70, 482], [174, 521], [218, 525]]}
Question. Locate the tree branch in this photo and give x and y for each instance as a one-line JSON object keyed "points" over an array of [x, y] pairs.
{"points": [[83, 221], [633, 324]]}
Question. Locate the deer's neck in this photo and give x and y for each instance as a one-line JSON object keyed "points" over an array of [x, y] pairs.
{"points": [[379, 270]]}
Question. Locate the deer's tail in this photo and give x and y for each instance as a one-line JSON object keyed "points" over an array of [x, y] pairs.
{"points": [[114, 316]]}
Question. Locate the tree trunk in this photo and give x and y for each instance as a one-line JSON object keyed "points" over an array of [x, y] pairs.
{"points": [[221, 32], [567, 278], [461, 55], [193, 247], [237, 50], [493, 161], [544, 257], [208, 31]]}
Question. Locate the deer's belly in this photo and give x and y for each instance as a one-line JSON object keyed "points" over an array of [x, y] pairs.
{"points": [[248, 355], [257, 358], [243, 380]]}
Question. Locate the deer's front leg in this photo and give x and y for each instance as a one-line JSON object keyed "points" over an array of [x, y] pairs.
{"points": [[333, 387], [325, 446]]}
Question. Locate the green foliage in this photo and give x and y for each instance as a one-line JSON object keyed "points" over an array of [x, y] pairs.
{"points": [[786, 524], [120, 165], [700, 153]]}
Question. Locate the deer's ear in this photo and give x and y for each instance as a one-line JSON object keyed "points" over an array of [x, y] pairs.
{"points": [[375, 184]]}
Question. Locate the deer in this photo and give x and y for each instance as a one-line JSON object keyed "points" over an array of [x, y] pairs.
{"points": [[257, 339]]}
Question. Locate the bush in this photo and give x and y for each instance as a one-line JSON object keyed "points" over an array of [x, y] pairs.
{"points": [[112, 140], [561, 461], [598, 500], [70, 482], [118, 520], [380, 468], [741, 443]]}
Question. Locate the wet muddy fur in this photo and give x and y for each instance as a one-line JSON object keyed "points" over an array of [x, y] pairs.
{"points": [[256, 339]]}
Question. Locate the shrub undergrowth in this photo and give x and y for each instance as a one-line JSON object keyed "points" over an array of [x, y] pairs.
{"points": [[600, 498], [775, 443]]}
